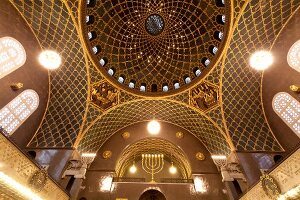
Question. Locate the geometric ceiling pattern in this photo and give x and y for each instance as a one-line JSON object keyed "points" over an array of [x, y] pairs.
{"points": [[145, 110], [237, 123], [257, 29], [54, 29], [154, 43]]}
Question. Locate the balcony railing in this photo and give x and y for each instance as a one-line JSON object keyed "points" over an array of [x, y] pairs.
{"points": [[20, 177], [128, 179], [143, 180], [287, 177], [176, 180]]}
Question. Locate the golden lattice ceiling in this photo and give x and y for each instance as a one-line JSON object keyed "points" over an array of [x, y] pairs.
{"points": [[235, 121], [154, 43]]}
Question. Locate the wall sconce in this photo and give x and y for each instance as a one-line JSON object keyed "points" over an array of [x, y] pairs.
{"points": [[295, 88], [173, 169], [132, 169], [16, 86]]}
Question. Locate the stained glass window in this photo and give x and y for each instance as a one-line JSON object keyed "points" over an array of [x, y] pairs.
{"points": [[12, 55], [18, 110], [288, 109]]}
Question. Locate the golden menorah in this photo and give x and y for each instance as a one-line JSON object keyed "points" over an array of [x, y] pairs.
{"points": [[152, 164]]}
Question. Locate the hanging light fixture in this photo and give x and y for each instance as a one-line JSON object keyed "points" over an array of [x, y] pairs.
{"points": [[173, 169], [133, 169], [50, 59], [261, 60], [153, 127]]}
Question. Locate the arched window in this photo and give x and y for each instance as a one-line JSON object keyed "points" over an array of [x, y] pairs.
{"points": [[18, 110], [288, 109], [12, 55], [293, 58], [143, 87]]}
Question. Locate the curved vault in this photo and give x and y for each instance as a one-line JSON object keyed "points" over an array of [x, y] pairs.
{"points": [[68, 84], [153, 145], [164, 110], [241, 90]]}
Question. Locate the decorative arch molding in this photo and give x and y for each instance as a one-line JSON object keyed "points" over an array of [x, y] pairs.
{"points": [[18, 110], [172, 112], [153, 191], [134, 151], [12, 55]]}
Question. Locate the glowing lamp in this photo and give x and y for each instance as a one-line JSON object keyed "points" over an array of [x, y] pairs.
{"points": [[50, 59], [132, 169], [153, 127], [261, 60], [172, 169]]}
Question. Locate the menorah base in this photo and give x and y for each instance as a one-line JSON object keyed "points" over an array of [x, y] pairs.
{"points": [[152, 182]]}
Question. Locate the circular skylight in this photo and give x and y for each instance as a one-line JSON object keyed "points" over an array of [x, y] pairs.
{"points": [[154, 24]]}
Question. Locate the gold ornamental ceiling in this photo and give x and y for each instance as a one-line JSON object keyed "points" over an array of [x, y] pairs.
{"points": [[154, 47], [222, 107]]}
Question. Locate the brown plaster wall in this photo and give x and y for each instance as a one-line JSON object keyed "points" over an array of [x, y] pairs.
{"points": [[278, 78], [31, 74], [55, 158], [140, 173], [189, 144], [132, 191]]}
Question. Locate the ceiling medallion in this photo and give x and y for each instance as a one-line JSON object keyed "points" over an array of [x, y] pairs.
{"points": [[155, 48], [126, 135], [179, 135], [200, 156], [107, 154]]}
